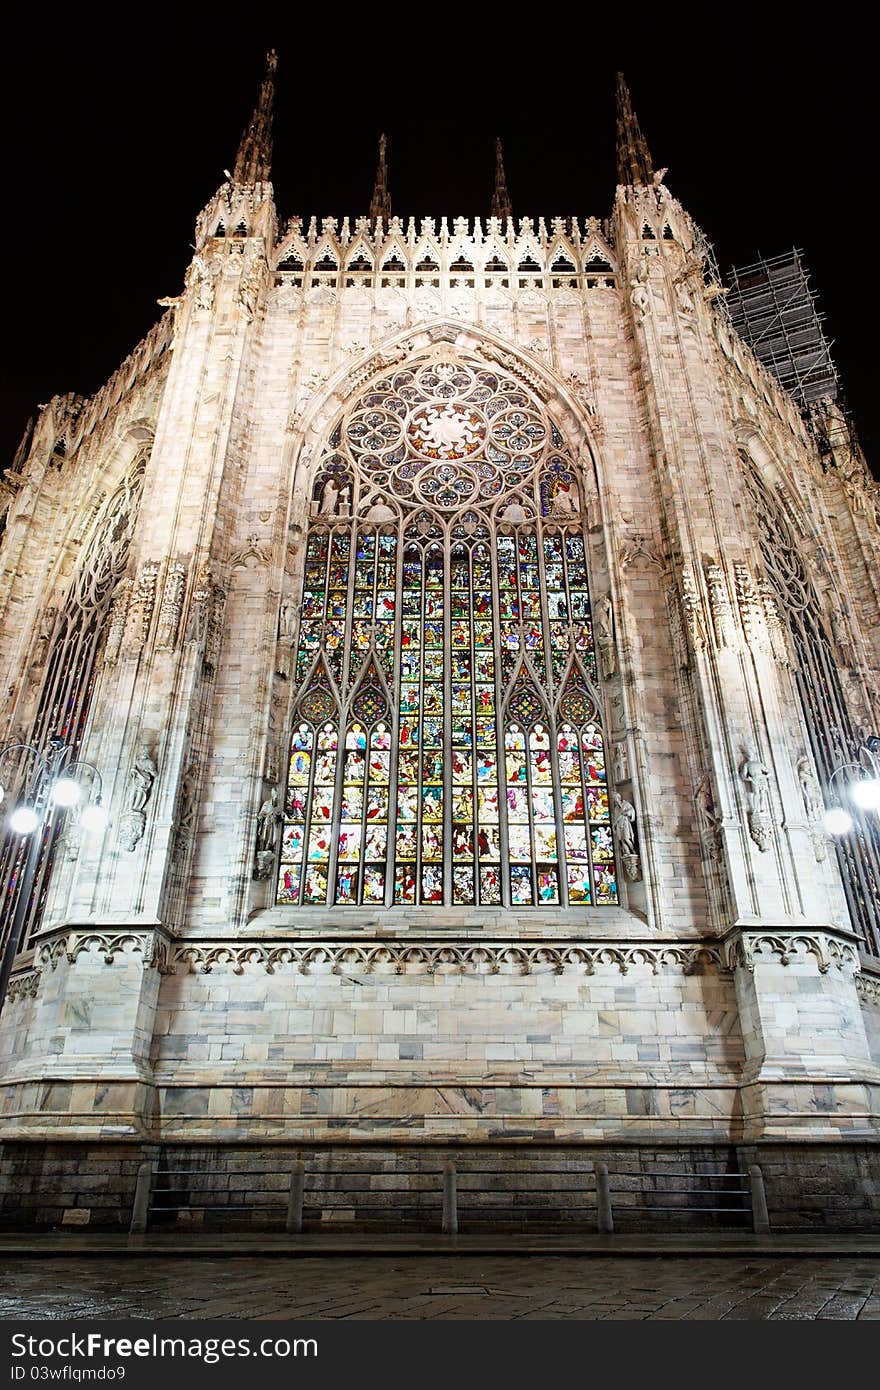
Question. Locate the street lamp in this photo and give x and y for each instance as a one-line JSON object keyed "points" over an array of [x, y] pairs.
{"points": [[863, 789], [45, 784]]}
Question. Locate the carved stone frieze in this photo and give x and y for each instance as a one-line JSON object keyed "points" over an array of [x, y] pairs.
{"points": [[140, 611], [750, 607], [171, 608], [775, 626], [24, 986], [692, 611], [748, 949], [639, 550], [253, 549], [111, 946], [471, 958], [719, 604], [868, 988], [116, 620]]}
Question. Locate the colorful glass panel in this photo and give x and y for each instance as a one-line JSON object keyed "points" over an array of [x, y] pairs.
{"points": [[468, 601]]}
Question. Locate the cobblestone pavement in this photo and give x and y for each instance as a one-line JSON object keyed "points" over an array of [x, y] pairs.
{"points": [[425, 1286]]}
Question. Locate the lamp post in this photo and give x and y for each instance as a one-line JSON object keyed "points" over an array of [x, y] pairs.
{"points": [[48, 782], [862, 790]]}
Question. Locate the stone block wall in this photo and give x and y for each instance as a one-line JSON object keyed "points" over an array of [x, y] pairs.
{"points": [[394, 1188]]}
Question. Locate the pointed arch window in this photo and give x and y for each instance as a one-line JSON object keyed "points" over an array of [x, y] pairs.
{"points": [[447, 744], [823, 705], [72, 666]]}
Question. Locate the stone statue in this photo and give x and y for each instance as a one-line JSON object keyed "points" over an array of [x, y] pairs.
{"points": [[623, 819], [331, 493], [267, 819], [566, 502], [47, 624], [812, 796], [133, 822], [621, 762], [756, 779], [640, 298], [605, 636], [814, 805], [141, 779], [707, 814], [287, 620]]}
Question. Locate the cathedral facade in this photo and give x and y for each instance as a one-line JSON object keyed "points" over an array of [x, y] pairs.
{"points": [[468, 635]]}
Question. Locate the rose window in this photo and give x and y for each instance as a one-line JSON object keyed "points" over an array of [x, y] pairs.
{"points": [[445, 434]]}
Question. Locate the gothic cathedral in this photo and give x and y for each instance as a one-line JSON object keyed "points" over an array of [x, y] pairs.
{"points": [[467, 639]]}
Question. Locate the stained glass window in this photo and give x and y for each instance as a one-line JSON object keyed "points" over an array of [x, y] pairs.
{"points": [[447, 744]]}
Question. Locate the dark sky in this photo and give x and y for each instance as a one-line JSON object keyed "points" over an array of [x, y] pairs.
{"points": [[115, 138]]}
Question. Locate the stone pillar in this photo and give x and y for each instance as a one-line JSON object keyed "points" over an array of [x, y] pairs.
{"points": [[808, 1071], [76, 1042]]}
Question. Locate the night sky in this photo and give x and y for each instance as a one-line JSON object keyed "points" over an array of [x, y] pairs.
{"points": [[115, 138]]}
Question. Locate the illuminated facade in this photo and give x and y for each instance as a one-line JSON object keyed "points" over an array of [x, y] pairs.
{"points": [[466, 628]]}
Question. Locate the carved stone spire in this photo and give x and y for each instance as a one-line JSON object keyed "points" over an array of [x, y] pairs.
{"points": [[253, 163], [633, 156], [500, 198], [380, 203]]}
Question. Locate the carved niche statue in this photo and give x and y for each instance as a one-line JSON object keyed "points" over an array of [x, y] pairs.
{"points": [[267, 822], [605, 636], [640, 298], [335, 497], [756, 780], [623, 821], [811, 794], [707, 814], [567, 500], [140, 785], [620, 760]]}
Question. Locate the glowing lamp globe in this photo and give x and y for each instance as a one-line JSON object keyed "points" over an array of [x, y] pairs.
{"points": [[866, 793], [837, 821], [93, 818], [23, 820], [65, 792]]}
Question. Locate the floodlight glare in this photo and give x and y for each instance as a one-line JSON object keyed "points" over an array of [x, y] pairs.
{"points": [[93, 818], [23, 820], [866, 793], [837, 821], [65, 792]]}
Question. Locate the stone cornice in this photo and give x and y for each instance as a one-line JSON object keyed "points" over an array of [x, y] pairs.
{"points": [[828, 946], [155, 949]]}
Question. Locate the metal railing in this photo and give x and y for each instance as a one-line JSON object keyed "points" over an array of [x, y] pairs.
{"points": [[454, 1199]]}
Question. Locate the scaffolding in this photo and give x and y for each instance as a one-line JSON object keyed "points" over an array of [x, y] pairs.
{"points": [[773, 308]]}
